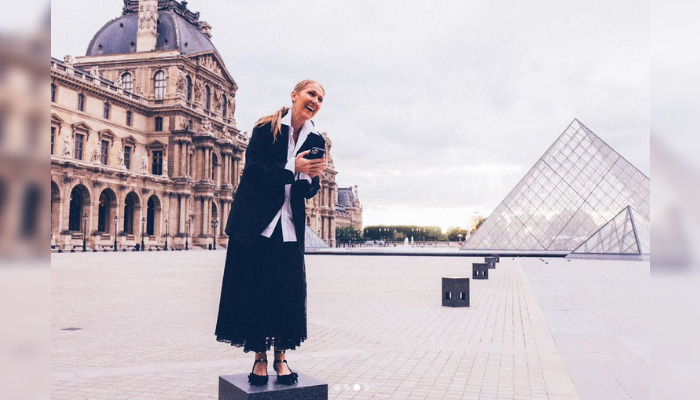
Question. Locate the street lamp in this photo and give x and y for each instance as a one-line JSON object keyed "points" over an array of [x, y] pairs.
{"points": [[214, 224], [166, 234], [143, 222], [187, 234], [116, 223], [84, 231]]}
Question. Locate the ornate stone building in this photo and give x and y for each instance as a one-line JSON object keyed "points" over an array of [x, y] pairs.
{"points": [[320, 210], [144, 143], [348, 211]]}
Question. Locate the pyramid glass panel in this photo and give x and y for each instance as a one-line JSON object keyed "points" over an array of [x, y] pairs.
{"points": [[577, 185], [312, 240], [625, 234]]}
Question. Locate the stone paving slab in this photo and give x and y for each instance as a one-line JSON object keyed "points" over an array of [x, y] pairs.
{"points": [[598, 314], [142, 328]]}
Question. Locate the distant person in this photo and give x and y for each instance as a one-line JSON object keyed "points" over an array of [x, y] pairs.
{"points": [[263, 292]]}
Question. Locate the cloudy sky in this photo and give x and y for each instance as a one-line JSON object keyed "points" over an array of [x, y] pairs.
{"points": [[436, 109]]}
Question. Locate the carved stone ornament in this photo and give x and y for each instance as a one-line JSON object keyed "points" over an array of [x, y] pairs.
{"points": [[144, 163], [66, 145], [217, 99], [139, 91], [226, 133], [120, 158], [181, 83], [206, 127], [185, 123], [198, 87], [94, 71], [69, 59], [95, 155]]}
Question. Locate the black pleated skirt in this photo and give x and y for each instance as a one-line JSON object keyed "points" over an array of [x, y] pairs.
{"points": [[263, 295]]}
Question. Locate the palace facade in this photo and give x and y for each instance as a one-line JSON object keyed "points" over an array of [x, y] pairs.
{"points": [[348, 210], [144, 143]]}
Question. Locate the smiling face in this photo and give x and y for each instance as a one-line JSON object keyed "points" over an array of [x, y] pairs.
{"points": [[307, 101]]}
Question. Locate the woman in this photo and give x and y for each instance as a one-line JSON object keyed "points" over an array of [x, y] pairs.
{"points": [[263, 293]]}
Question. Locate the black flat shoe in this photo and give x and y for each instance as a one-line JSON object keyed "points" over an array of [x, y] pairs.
{"points": [[288, 379], [257, 380]]}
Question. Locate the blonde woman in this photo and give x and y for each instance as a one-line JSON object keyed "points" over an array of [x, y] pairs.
{"points": [[263, 293]]}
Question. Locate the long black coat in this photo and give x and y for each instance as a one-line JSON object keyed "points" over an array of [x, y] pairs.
{"points": [[260, 194]]}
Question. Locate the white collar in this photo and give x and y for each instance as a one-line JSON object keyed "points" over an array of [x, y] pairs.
{"points": [[308, 125]]}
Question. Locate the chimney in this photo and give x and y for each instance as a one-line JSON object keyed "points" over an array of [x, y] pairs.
{"points": [[147, 33]]}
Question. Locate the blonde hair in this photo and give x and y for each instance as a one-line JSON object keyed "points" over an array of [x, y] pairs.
{"points": [[276, 118]]}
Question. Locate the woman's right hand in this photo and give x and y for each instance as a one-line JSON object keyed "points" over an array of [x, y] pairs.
{"points": [[309, 167]]}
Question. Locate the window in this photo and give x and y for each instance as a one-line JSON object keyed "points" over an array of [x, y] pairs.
{"points": [[127, 157], [104, 150], [207, 98], [224, 108], [189, 88], [157, 168], [81, 102], [79, 138], [53, 138], [128, 118], [53, 93], [106, 111], [127, 82], [159, 124], [159, 85]]}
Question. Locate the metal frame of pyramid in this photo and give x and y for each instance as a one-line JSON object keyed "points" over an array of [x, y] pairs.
{"points": [[625, 236], [577, 186]]}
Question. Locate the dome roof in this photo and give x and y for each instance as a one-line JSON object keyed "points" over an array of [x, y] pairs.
{"points": [[118, 36]]}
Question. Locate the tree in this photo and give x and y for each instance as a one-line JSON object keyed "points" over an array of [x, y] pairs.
{"points": [[346, 234], [478, 223], [454, 232]]}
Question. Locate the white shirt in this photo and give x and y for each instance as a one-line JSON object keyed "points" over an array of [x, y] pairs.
{"points": [[284, 215]]}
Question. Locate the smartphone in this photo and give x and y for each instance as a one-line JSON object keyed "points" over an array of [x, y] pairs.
{"points": [[315, 153]]}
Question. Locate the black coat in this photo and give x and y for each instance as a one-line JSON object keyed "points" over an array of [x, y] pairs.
{"points": [[260, 194]]}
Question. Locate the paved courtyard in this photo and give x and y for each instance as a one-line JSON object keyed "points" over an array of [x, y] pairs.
{"points": [[140, 326]]}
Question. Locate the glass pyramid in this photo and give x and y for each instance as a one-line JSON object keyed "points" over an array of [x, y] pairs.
{"points": [[578, 185], [312, 240], [626, 234]]}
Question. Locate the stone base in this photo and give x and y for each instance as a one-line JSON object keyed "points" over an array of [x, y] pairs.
{"points": [[455, 292], [236, 387], [480, 271]]}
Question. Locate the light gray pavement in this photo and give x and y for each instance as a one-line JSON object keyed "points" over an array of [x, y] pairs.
{"points": [[597, 311], [376, 329]]}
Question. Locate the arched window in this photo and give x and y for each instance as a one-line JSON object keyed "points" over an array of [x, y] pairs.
{"points": [[127, 82], [189, 88], [105, 210], [207, 98], [153, 205], [159, 83], [79, 199], [130, 205], [224, 108]]}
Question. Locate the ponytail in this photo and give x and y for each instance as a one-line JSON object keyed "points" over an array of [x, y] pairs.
{"points": [[276, 120]]}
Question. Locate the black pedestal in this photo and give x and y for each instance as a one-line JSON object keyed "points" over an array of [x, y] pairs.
{"points": [[236, 387], [491, 261], [480, 271], [455, 292]]}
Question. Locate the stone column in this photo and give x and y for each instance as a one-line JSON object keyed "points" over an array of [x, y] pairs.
{"points": [[176, 159], [183, 158]]}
